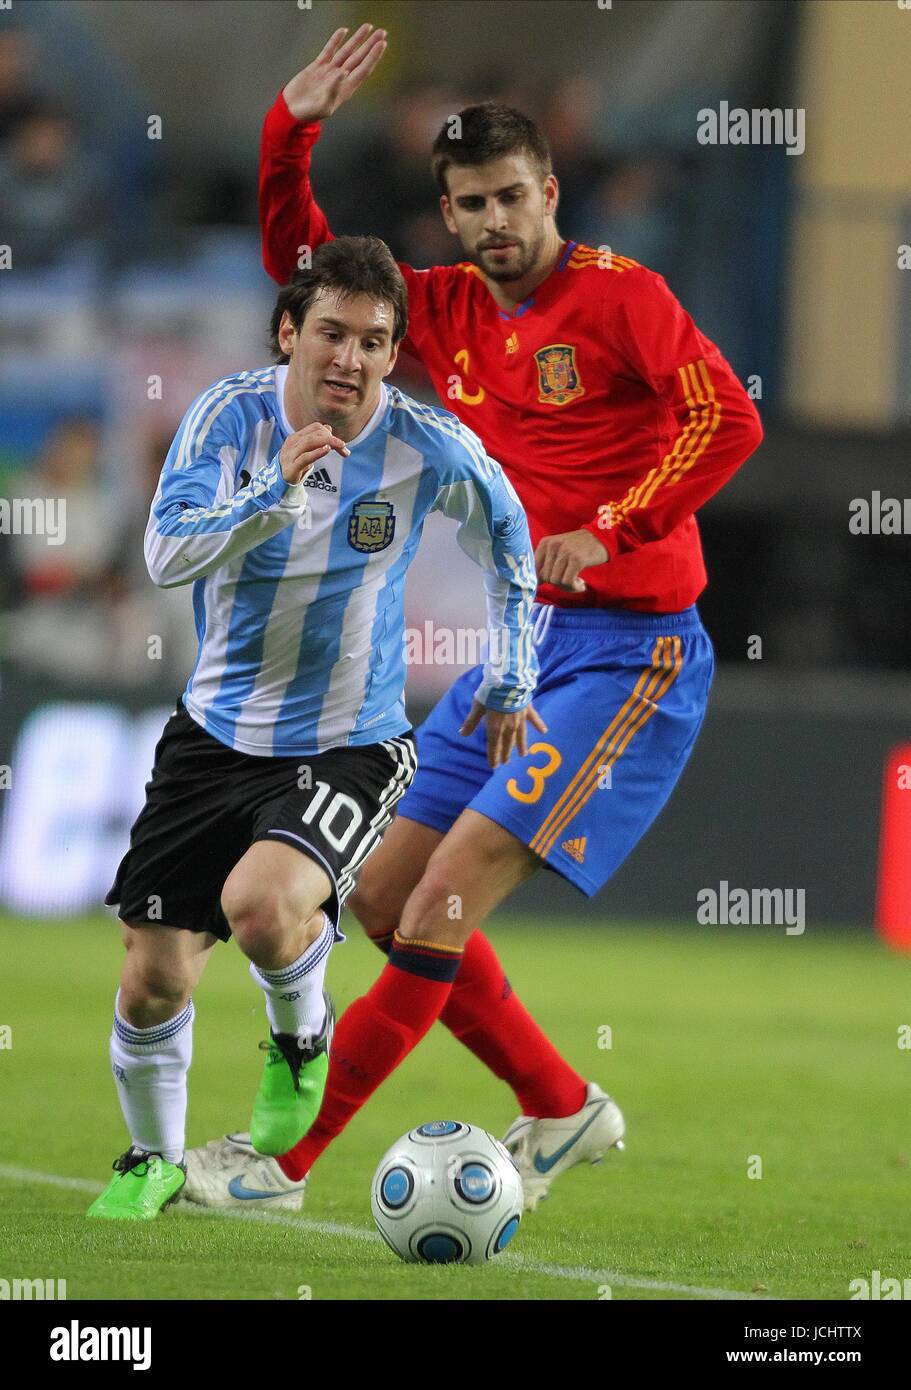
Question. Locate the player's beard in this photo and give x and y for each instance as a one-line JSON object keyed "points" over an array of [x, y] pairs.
{"points": [[528, 259]]}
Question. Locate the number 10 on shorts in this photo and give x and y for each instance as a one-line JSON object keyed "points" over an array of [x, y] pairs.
{"points": [[339, 803]]}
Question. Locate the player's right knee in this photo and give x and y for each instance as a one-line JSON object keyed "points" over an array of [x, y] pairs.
{"points": [[153, 985], [374, 910], [376, 929], [374, 916]]}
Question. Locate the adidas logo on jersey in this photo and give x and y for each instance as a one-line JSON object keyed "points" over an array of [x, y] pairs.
{"points": [[320, 478], [576, 848]]}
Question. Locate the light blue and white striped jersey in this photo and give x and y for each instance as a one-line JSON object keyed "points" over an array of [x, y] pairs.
{"points": [[299, 589]]}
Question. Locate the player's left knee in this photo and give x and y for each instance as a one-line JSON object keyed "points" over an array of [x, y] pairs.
{"points": [[436, 909], [260, 917], [483, 858]]}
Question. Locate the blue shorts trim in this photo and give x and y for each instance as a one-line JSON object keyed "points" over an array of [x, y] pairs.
{"points": [[623, 695]]}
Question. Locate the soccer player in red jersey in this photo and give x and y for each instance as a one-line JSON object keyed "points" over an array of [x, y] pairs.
{"points": [[614, 418]]}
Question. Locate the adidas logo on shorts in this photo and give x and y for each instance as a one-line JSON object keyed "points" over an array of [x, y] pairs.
{"points": [[576, 848], [320, 478]]}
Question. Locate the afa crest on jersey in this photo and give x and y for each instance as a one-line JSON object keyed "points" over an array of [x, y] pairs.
{"points": [[371, 526], [558, 377]]}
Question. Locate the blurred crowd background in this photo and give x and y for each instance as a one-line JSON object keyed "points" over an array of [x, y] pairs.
{"points": [[129, 134]]}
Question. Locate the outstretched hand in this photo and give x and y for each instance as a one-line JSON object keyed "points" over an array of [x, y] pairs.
{"points": [[335, 75], [504, 731]]}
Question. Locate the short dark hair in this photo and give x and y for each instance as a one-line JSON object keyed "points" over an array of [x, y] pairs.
{"points": [[488, 131], [351, 265]]}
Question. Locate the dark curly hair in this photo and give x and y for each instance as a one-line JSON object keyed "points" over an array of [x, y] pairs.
{"points": [[351, 265]]}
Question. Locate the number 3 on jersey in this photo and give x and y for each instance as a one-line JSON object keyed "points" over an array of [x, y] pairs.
{"points": [[538, 774], [457, 385]]}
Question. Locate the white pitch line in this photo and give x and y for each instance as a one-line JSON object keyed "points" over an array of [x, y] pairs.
{"points": [[14, 1174], [11, 1173]]}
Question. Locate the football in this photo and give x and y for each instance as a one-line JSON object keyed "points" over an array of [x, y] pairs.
{"points": [[447, 1193]]}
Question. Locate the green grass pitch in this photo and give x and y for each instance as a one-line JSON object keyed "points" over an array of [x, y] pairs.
{"points": [[726, 1044]]}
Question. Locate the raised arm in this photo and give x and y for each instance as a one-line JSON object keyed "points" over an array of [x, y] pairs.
{"points": [[289, 215]]}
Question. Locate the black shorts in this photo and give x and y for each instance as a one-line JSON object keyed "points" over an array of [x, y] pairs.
{"points": [[207, 804]]}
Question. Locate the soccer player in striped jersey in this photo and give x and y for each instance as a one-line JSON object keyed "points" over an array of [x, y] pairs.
{"points": [[280, 770], [614, 418]]}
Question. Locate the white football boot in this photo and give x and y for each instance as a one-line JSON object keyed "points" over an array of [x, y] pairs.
{"points": [[229, 1173], [543, 1149]]}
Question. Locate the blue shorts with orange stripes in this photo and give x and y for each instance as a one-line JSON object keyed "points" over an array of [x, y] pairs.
{"points": [[623, 696]]}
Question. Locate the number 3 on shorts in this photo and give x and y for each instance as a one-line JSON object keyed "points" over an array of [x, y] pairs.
{"points": [[538, 775]]}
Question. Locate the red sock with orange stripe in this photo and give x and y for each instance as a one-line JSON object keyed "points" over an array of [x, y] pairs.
{"points": [[374, 1035], [484, 1014], [492, 1022]]}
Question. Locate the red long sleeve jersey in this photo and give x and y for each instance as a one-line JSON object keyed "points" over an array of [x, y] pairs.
{"points": [[606, 407]]}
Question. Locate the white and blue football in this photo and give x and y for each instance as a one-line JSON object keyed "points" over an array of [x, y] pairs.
{"points": [[447, 1193]]}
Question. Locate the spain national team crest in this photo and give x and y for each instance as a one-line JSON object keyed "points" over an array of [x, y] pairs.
{"points": [[558, 378], [371, 525]]}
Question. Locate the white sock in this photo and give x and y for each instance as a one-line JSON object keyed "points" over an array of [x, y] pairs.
{"points": [[294, 994], [150, 1068]]}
